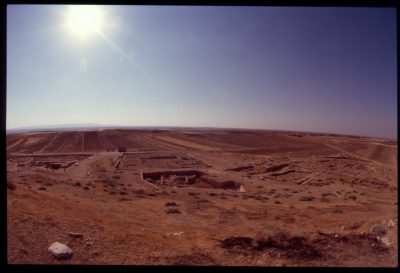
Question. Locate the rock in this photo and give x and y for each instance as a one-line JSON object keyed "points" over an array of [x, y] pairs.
{"points": [[378, 229], [391, 223], [354, 224], [60, 251], [385, 241], [242, 189], [75, 235], [350, 196]]}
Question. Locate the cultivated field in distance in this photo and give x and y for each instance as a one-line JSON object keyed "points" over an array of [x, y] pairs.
{"points": [[202, 197]]}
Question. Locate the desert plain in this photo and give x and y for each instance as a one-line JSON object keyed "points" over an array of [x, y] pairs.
{"points": [[202, 197]]}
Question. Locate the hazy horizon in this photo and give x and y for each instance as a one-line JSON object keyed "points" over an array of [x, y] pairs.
{"points": [[92, 126], [323, 70]]}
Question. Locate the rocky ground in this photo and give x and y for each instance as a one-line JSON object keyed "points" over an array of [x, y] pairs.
{"points": [[197, 197]]}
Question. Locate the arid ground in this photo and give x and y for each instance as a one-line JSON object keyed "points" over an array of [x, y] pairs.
{"points": [[202, 197]]}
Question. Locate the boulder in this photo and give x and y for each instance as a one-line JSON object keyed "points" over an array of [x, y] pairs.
{"points": [[60, 251]]}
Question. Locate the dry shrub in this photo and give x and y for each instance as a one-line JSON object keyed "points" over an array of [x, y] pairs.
{"points": [[11, 185], [237, 242], [168, 204], [173, 210], [293, 246]]}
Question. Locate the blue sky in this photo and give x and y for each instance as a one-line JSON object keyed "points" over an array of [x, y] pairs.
{"points": [[308, 69]]}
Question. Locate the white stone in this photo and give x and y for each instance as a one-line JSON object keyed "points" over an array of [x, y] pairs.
{"points": [[60, 251], [391, 223], [386, 241]]}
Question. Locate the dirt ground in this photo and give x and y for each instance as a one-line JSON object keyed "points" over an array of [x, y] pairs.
{"points": [[202, 197]]}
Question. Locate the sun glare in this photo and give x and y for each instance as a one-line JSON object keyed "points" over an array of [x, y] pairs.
{"points": [[84, 21]]}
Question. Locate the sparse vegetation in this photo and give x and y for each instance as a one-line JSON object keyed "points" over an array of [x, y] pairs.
{"points": [[350, 196], [201, 195], [191, 193], [173, 211], [170, 203], [307, 198], [11, 185]]}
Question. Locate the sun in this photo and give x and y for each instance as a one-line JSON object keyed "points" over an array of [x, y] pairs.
{"points": [[84, 20]]}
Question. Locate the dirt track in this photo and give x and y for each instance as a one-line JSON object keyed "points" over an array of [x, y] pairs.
{"points": [[305, 200]]}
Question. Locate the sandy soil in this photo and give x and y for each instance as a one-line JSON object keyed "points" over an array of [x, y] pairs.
{"points": [[197, 197]]}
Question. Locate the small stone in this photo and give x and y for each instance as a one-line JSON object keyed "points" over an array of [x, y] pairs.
{"points": [[391, 223], [354, 224], [386, 241], [60, 251], [75, 235], [378, 229]]}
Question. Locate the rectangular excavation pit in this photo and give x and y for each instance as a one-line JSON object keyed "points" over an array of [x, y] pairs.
{"points": [[50, 161], [188, 178], [157, 161]]}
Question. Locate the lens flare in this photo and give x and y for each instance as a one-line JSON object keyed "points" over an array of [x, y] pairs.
{"points": [[84, 21]]}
